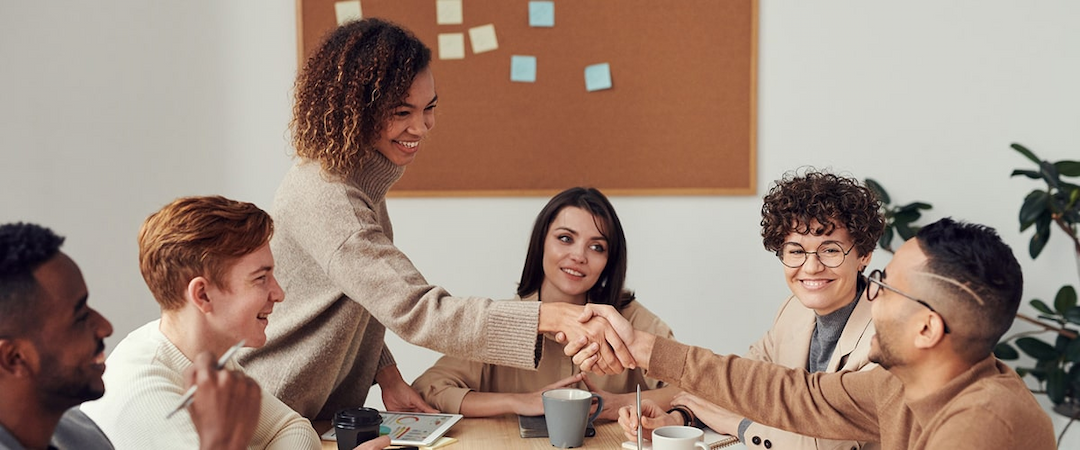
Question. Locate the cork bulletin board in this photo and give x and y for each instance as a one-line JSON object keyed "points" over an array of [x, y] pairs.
{"points": [[678, 119]]}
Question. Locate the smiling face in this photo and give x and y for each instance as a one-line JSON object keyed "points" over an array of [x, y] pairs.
{"points": [[241, 307], [575, 254], [821, 288], [71, 343], [410, 121]]}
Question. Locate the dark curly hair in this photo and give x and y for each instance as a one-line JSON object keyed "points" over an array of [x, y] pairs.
{"points": [[348, 89], [23, 248], [797, 199], [608, 289]]}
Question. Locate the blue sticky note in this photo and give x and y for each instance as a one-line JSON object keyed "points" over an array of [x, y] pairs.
{"points": [[597, 77], [523, 69], [541, 14]]}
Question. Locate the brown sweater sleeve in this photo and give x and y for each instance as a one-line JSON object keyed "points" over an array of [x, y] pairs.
{"points": [[833, 406]]}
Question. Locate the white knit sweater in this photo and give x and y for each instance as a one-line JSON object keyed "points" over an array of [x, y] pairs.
{"points": [[144, 381]]}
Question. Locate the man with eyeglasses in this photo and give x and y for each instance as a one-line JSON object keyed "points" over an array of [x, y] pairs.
{"points": [[939, 307]]}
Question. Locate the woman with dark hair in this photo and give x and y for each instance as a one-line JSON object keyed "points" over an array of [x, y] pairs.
{"points": [[365, 101], [577, 255]]}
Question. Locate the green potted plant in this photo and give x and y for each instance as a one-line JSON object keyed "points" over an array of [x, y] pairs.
{"points": [[899, 219], [1057, 363]]}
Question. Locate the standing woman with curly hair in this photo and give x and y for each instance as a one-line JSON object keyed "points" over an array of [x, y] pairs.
{"points": [[823, 228], [364, 103]]}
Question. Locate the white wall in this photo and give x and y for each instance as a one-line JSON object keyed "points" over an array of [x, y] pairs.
{"points": [[111, 109]]}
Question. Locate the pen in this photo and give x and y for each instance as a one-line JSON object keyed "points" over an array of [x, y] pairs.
{"points": [[190, 394], [639, 417]]}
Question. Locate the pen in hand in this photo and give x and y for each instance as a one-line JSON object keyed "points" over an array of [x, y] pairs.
{"points": [[639, 438], [190, 394]]}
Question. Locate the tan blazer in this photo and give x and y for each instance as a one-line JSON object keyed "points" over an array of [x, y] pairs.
{"points": [[787, 343]]}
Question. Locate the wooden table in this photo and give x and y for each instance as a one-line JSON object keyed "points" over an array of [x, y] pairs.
{"points": [[501, 433]]}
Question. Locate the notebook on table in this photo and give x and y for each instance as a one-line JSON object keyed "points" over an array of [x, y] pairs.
{"points": [[536, 427], [713, 439]]}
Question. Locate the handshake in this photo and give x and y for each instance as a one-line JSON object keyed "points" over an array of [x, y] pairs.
{"points": [[600, 339]]}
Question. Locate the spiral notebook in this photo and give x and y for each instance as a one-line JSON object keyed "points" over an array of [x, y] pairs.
{"points": [[714, 439]]}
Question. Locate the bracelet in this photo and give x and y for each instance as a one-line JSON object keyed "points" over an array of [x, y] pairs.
{"points": [[688, 416]]}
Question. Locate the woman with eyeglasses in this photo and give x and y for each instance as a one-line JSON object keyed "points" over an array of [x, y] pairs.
{"points": [[823, 228]]}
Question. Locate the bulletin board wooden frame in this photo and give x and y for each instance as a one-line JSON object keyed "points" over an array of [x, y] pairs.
{"points": [[680, 118]]}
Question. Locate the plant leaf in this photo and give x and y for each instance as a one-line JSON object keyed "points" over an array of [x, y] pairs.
{"points": [[1006, 352], [1050, 174], [1037, 349], [1068, 168], [1042, 234], [1033, 174], [1024, 151], [905, 231], [1041, 306], [907, 216], [1065, 299], [1055, 385], [1035, 205], [886, 239], [880, 191], [1073, 315], [1072, 351]]}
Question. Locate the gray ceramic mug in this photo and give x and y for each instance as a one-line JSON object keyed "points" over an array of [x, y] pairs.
{"points": [[566, 412]]}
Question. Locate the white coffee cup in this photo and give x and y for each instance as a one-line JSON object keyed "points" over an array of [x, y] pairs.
{"points": [[677, 437]]}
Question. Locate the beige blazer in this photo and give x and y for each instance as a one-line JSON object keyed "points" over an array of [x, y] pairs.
{"points": [[787, 343]]}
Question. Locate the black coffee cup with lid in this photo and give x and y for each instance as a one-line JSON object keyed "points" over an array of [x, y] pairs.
{"points": [[354, 426]]}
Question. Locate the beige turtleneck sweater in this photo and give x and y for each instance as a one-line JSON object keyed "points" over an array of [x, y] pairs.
{"points": [[344, 281]]}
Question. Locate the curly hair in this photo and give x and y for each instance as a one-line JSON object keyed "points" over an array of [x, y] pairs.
{"points": [[797, 199], [348, 90], [608, 289], [23, 248], [197, 236]]}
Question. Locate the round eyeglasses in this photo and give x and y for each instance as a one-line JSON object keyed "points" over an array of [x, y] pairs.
{"points": [[830, 254], [874, 288]]}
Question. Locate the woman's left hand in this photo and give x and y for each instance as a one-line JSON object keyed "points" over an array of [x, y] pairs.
{"points": [[612, 402]]}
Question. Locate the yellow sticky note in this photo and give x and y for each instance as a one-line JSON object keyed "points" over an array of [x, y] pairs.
{"points": [[448, 12], [483, 38], [346, 11], [451, 46]]}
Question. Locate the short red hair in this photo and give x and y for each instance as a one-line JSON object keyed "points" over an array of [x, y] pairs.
{"points": [[197, 236]]}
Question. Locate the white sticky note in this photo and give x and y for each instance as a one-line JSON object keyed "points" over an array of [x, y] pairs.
{"points": [[448, 12], [483, 38], [346, 11], [451, 46], [523, 68], [541, 14], [597, 77]]}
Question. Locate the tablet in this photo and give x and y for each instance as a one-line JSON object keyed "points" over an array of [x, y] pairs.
{"points": [[409, 428]]}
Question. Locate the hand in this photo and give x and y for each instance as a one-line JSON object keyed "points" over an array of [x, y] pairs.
{"points": [[585, 354], [612, 402], [571, 324], [226, 406], [532, 403], [397, 395], [652, 417], [717, 418]]}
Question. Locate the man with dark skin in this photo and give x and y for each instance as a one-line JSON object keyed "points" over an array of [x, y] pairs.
{"points": [[52, 356]]}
